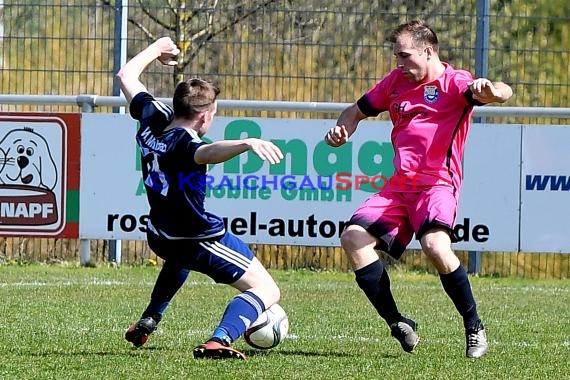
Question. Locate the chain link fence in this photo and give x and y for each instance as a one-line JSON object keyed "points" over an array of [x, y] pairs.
{"points": [[310, 50]]}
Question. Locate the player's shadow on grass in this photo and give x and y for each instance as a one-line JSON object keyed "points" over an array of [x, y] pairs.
{"points": [[130, 351], [140, 351], [253, 353]]}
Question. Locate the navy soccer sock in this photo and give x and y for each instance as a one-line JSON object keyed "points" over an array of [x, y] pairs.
{"points": [[169, 281], [374, 281], [456, 285], [244, 307]]}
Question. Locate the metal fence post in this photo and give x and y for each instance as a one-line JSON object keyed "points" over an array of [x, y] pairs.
{"points": [[481, 71], [119, 59], [87, 104]]}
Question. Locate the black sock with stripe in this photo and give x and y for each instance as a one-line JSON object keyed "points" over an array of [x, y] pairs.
{"points": [[456, 285], [375, 282]]}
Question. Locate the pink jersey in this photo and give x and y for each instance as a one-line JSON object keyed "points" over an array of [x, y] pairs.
{"points": [[431, 121]]}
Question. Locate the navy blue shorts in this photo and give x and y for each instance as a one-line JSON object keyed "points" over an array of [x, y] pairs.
{"points": [[225, 260]]}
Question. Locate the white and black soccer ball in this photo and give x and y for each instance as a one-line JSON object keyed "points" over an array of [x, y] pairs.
{"points": [[269, 329]]}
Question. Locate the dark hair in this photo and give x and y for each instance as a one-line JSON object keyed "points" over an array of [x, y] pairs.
{"points": [[420, 31], [193, 96]]}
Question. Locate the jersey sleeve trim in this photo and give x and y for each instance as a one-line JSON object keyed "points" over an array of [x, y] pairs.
{"points": [[366, 108], [470, 99], [135, 108]]}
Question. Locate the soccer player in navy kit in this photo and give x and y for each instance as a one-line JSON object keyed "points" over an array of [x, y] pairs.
{"points": [[180, 230]]}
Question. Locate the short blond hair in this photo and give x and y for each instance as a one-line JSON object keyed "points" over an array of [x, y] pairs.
{"points": [[194, 96]]}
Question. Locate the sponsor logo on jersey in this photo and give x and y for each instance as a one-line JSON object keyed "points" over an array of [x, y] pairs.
{"points": [[431, 94]]}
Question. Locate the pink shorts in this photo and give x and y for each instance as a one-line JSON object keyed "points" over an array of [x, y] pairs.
{"points": [[393, 217]]}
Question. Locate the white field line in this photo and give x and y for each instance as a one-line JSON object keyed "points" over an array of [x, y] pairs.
{"points": [[66, 283], [321, 286], [459, 339], [492, 288], [402, 285], [202, 334]]}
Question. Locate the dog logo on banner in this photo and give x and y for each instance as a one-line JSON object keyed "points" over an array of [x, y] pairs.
{"points": [[28, 178], [26, 160]]}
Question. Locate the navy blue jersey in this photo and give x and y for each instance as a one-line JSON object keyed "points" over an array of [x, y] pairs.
{"points": [[173, 180]]}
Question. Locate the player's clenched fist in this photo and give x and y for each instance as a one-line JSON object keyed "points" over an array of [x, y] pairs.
{"points": [[487, 92], [337, 136], [167, 51]]}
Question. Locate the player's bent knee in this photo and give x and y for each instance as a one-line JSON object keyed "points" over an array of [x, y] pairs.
{"points": [[349, 240], [269, 293], [355, 238], [258, 280]]}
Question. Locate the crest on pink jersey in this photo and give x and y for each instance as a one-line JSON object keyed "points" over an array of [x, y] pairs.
{"points": [[431, 94]]}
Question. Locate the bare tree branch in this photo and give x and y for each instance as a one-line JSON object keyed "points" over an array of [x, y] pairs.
{"points": [[209, 26], [206, 34], [150, 37], [171, 7], [186, 16], [147, 12], [190, 47]]}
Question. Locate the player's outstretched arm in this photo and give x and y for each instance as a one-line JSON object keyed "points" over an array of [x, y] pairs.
{"points": [[486, 91], [220, 151], [345, 126], [163, 49]]}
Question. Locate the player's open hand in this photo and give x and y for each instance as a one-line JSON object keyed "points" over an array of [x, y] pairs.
{"points": [[266, 150], [337, 136], [167, 51]]}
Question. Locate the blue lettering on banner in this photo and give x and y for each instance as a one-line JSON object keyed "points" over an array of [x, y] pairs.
{"points": [[548, 182]]}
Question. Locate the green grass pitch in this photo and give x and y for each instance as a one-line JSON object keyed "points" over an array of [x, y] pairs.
{"points": [[62, 322]]}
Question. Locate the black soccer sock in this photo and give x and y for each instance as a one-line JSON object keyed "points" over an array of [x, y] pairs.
{"points": [[169, 281], [456, 285], [374, 281]]}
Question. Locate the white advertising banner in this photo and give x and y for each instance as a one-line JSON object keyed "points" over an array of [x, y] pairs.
{"points": [[308, 199], [111, 203], [545, 189], [489, 204], [305, 199]]}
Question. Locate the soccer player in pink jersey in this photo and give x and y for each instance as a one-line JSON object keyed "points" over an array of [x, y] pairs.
{"points": [[430, 105]]}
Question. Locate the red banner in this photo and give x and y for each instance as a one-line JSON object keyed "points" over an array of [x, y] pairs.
{"points": [[39, 174]]}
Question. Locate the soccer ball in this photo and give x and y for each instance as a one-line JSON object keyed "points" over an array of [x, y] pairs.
{"points": [[269, 329]]}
